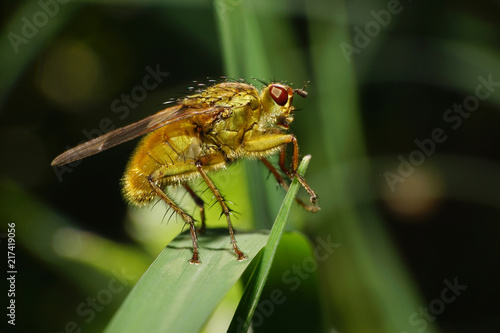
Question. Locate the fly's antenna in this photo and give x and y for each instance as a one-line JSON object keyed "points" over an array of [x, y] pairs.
{"points": [[302, 91]]}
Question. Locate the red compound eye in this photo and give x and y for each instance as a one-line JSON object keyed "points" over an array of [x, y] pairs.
{"points": [[279, 94]]}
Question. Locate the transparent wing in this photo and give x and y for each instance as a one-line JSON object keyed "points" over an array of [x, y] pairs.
{"points": [[123, 134]]}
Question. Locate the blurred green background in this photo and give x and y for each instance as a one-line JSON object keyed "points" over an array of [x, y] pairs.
{"points": [[400, 120]]}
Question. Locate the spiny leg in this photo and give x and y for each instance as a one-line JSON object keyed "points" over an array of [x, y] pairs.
{"points": [[281, 181], [295, 164], [225, 209], [199, 202], [268, 142], [185, 216]]}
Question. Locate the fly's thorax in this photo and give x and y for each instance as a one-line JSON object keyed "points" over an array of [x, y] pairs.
{"points": [[227, 94], [227, 132], [241, 111]]}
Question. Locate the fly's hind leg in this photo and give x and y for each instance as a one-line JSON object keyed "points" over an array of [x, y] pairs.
{"points": [[199, 202], [225, 210], [185, 216]]}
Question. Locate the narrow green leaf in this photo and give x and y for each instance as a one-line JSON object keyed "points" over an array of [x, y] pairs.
{"points": [[175, 296], [244, 313]]}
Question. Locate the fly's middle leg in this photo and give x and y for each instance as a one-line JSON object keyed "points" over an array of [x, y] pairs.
{"points": [[225, 210]]}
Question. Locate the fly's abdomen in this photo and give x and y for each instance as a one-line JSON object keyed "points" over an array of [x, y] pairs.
{"points": [[167, 157], [135, 182]]}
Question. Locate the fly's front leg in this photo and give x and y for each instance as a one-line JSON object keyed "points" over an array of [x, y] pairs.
{"points": [[225, 210], [265, 143], [295, 164], [281, 181], [185, 216]]}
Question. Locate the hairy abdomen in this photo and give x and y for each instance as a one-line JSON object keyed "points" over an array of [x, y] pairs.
{"points": [[166, 156]]}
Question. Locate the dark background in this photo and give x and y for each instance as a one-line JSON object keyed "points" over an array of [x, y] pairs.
{"points": [[441, 222]]}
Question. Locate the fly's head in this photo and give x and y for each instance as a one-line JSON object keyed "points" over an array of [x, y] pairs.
{"points": [[277, 105]]}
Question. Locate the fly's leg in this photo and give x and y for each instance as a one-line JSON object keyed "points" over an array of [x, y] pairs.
{"points": [[185, 216], [295, 164], [281, 181], [268, 142], [199, 202], [225, 210]]}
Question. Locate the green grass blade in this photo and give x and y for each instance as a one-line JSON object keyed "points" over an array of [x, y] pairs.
{"points": [[249, 301], [383, 298], [175, 296]]}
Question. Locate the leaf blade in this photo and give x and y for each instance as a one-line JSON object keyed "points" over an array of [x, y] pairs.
{"points": [[176, 296], [250, 299]]}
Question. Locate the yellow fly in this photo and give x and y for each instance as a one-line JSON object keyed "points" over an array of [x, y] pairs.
{"points": [[204, 132]]}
